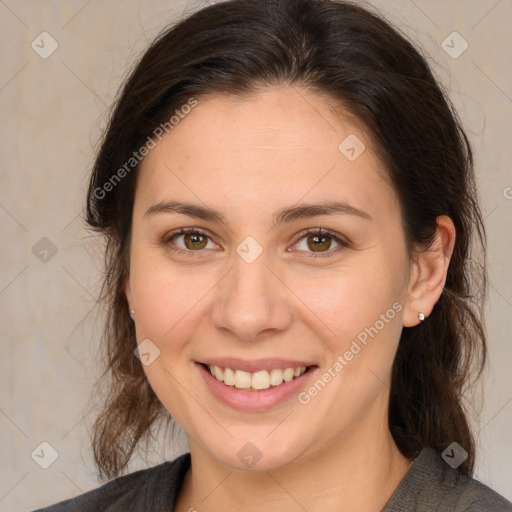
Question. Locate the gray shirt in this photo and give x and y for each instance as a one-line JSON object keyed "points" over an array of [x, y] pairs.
{"points": [[429, 485]]}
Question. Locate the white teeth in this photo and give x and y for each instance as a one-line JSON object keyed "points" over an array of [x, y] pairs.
{"points": [[276, 377], [229, 377], [288, 374], [242, 379], [219, 374], [262, 379]]}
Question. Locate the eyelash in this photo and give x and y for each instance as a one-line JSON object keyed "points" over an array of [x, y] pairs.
{"points": [[312, 232]]}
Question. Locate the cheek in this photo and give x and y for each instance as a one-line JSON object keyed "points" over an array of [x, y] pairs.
{"points": [[357, 311], [346, 301], [167, 297]]}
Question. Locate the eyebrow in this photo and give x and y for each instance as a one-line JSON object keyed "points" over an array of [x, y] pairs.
{"points": [[285, 215]]}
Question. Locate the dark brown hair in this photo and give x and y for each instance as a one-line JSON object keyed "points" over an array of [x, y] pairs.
{"points": [[353, 56]]}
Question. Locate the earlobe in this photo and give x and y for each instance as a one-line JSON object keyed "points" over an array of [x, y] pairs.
{"points": [[428, 275]]}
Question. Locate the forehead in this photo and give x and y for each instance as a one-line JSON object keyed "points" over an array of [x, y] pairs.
{"points": [[280, 145]]}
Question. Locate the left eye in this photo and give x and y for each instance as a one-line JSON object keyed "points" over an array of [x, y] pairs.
{"points": [[319, 242]]}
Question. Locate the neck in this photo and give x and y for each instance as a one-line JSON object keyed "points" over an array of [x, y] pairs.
{"points": [[359, 473]]}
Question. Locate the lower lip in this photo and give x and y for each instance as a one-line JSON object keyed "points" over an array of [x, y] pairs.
{"points": [[254, 400]]}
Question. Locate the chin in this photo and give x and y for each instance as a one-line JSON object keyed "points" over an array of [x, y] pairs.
{"points": [[260, 454]]}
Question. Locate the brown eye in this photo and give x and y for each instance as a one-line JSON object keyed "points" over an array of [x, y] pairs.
{"points": [[188, 241], [194, 241], [319, 241]]}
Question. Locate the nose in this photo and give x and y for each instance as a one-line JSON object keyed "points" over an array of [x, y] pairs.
{"points": [[252, 301]]}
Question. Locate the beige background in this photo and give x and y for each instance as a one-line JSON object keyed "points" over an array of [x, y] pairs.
{"points": [[52, 112]]}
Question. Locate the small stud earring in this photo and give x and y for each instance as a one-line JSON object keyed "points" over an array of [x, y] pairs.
{"points": [[421, 317], [132, 311]]}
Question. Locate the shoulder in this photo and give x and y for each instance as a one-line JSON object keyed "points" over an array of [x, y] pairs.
{"points": [[135, 491], [480, 498], [431, 484]]}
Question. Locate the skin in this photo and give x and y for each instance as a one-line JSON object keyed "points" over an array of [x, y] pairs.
{"points": [[248, 158]]}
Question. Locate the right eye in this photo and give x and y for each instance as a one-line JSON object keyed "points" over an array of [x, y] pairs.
{"points": [[194, 240]]}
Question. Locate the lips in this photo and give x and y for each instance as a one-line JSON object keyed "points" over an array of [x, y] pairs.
{"points": [[250, 390]]}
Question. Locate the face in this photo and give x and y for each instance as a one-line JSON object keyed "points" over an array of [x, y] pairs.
{"points": [[256, 288]]}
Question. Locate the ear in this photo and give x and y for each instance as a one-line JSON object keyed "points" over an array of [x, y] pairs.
{"points": [[428, 273]]}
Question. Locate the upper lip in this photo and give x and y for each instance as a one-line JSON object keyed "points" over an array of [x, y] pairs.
{"points": [[254, 364]]}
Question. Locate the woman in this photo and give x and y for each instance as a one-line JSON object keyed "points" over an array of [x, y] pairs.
{"points": [[289, 206]]}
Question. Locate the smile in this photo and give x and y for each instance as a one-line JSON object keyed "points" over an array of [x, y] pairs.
{"points": [[259, 386], [255, 381]]}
